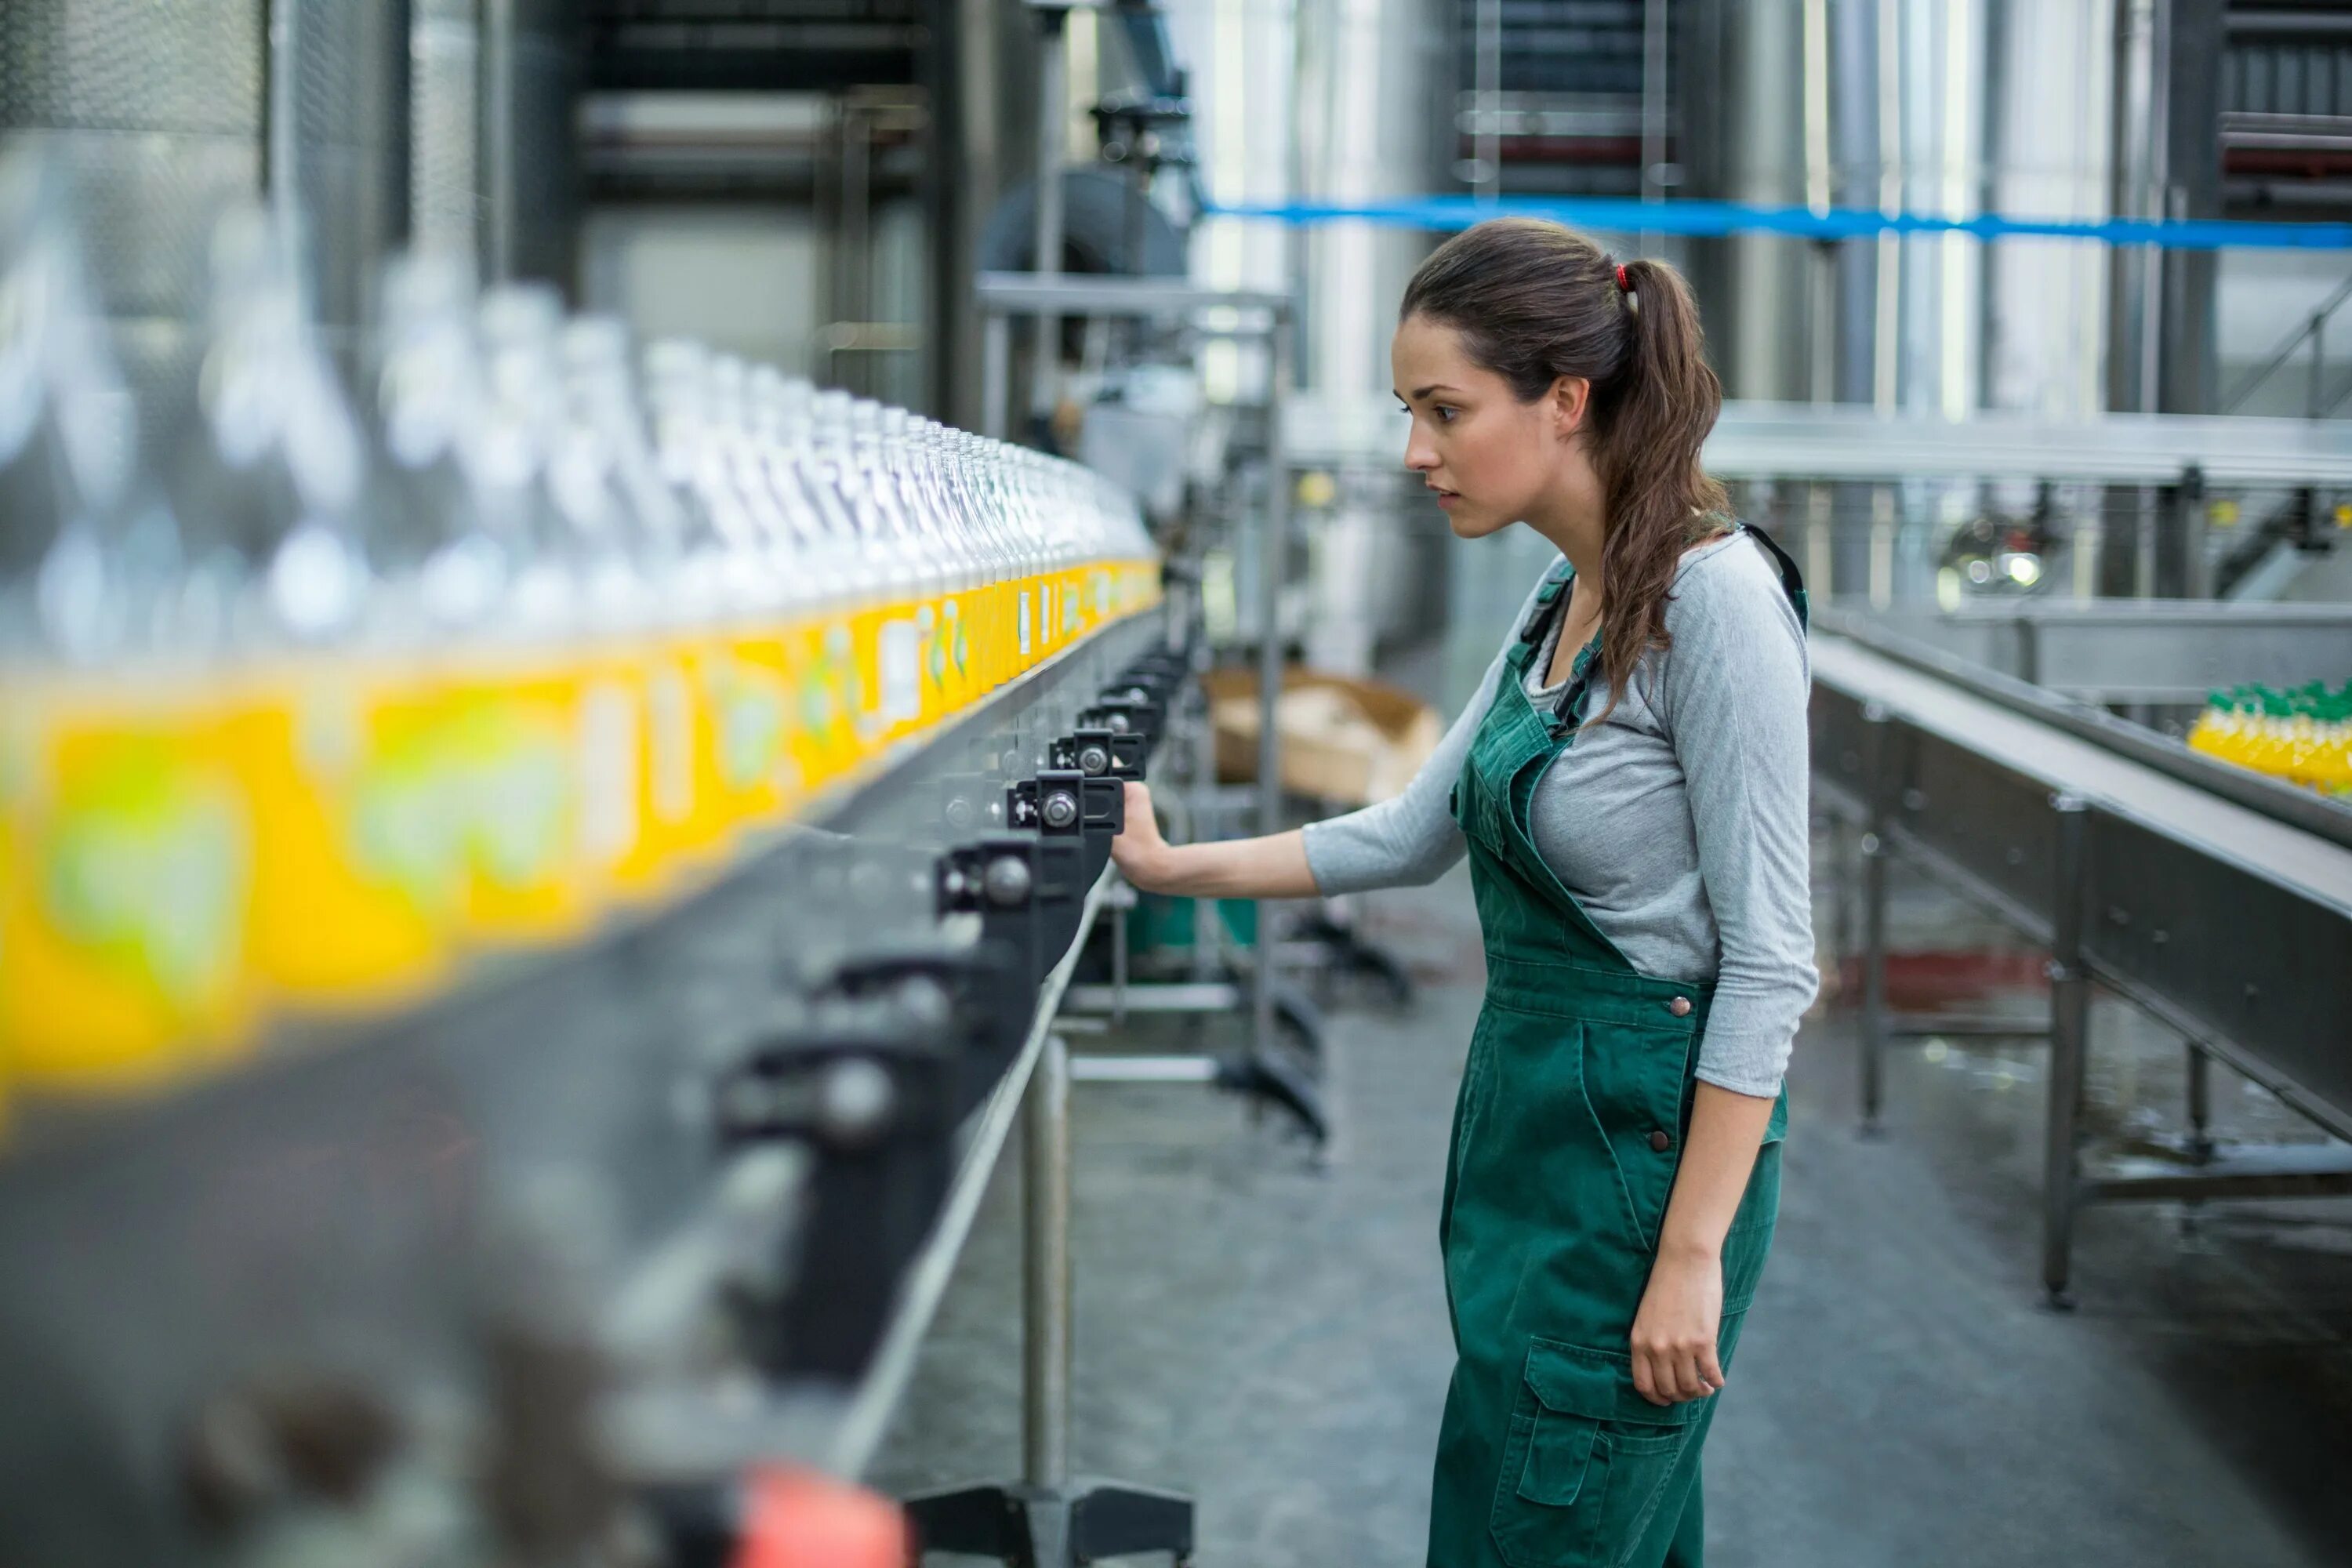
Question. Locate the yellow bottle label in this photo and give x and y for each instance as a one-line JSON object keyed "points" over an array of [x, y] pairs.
{"points": [[651, 829], [749, 688], [824, 737], [947, 662], [517, 739], [124, 917], [898, 691], [359, 854]]}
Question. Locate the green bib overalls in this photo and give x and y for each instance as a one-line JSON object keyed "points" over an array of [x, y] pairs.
{"points": [[1567, 1134]]}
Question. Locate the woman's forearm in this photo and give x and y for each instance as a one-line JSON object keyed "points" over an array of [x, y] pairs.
{"points": [[1270, 868], [1719, 1152]]}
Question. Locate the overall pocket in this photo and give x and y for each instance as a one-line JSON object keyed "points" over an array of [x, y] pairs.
{"points": [[1587, 1463], [1634, 1079]]}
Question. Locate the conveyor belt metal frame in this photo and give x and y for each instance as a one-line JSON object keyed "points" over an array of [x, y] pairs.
{"points": [[2130, 651], [2262, 975]]}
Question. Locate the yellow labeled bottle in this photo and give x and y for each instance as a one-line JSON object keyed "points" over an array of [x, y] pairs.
{"points": [[125, 920]]}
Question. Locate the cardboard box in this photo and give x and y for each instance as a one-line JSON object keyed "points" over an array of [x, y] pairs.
{"points": [[1344, 740]]}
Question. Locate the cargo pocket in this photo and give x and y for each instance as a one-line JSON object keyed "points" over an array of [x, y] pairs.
{"points": [[1587, 1463]]}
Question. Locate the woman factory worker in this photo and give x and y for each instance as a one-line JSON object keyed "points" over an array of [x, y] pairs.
{"points": [[1630, 785]]}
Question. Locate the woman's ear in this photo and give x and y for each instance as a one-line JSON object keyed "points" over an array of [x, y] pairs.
{"points": [[1571, 399]]}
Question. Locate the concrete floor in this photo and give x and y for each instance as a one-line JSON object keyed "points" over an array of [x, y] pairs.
{"points": [[1269, 1333]]}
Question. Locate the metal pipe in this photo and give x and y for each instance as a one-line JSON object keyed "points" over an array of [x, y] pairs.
{"points": [[1045, 1270], [1052, 68], [2201, 1101], [1488, 143], [1875, 852], [2070, 1029], [498, 138], [1654, 108], [281, 145], [444, 180], [1200, 800], [2313, 397], [1273, 555], [996, 369], [853, 246]]}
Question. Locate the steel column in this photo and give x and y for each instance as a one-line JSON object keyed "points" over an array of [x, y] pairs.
{"points": [[2070, 1030], [1046, 1269], [1052, 64], [1274, 538], [1878, 818]]}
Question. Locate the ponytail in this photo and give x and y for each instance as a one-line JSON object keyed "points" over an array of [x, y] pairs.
{"points": [[1648, 426], [1534, 301]]}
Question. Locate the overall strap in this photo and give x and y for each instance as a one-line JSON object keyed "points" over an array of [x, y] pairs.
{"points": [[1548, 596], [1792, 582]]}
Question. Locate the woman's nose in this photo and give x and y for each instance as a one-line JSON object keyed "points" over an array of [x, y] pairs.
{"points": [[1420, 457]]}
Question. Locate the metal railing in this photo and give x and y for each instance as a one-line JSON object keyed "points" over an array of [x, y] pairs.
{"points": [[2316, 403]]}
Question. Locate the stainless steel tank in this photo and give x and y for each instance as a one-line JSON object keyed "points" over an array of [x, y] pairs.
{"points": [[1372, 120], [1950, 107]]}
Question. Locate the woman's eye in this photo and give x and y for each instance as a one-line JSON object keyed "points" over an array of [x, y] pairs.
{"points": [[1444, 413]]}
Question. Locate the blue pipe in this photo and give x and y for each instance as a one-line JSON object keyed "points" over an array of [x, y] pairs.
{"points": [[1625, 215]]}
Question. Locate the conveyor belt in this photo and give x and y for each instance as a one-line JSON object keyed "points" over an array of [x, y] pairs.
{"points": [[2294, 860], [545, 1162], [2231, 924]]}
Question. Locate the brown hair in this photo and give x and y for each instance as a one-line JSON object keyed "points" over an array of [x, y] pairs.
{"points": [[1534, 301]]}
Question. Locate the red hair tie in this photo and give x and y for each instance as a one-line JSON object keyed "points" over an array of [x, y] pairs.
{"points": [[1622, 286]]}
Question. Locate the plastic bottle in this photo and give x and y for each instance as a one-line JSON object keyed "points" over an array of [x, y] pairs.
{"points": [[341, 702], [124, 837], [532, 774]]}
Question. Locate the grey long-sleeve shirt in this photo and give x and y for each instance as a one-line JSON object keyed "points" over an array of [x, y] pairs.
{"points": [[1679, 823]]}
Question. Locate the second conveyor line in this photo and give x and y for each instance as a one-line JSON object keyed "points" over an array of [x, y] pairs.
{"points": [[2229, 925]]}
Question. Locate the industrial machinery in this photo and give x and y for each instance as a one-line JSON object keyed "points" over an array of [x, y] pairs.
{"points": [[531, 908]]}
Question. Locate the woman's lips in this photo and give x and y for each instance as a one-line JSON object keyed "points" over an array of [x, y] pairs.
{"points": [[1446, 498]]}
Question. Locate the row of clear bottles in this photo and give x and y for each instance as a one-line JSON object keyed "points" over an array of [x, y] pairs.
{"points": [[332, 697]]}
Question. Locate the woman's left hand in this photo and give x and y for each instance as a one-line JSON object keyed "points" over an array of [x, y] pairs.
{"points": [[1673, 1332]]}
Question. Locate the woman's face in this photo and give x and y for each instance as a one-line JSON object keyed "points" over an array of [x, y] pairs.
{"points": [[1490, 457]]}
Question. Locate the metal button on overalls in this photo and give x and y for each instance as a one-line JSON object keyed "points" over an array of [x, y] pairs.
{"points": [[1579, 1078]]}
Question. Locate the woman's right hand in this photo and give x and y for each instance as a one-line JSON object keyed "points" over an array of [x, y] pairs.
{"points": [[1140, 854]]}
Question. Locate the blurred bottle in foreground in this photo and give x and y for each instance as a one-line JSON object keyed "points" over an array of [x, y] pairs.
{"points": [[125, 843], [350, 692]]}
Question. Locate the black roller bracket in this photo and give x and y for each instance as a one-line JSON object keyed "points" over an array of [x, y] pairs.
{"points": [[991, 997], [1063, 802], [1029, 892], [1126, 710], [870, 1089], [1098, 753]]}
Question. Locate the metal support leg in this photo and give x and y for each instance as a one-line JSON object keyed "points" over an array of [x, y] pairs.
{"points": [[1046, 1269], [2070, 1029], [1048, 1519], [2201, 1101], [1273, 539], [1119, 962], [1875, 851], [1845, 873]]}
